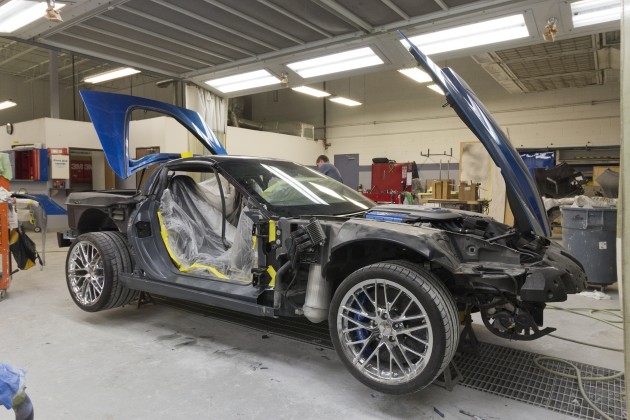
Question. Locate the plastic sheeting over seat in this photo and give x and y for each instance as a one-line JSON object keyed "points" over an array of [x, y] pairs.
{"points": [[191, 229]]}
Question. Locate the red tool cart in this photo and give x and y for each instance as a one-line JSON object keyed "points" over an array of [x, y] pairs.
{"points": [[389, 180]]}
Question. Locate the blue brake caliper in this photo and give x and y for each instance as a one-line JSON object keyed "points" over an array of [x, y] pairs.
{"points": [[361, 334]]}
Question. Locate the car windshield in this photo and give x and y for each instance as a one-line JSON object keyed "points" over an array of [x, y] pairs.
{"points": [[290, 190]]}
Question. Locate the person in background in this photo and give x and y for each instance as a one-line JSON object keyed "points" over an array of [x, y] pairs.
{"points": [[324, 166]]}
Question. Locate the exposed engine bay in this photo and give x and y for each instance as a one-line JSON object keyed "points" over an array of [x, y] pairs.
{"points": [[506, 275]]}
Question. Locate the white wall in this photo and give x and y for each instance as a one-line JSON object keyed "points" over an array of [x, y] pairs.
{"points": [[163, 132], [23, 132], [241, 141], [67, 133], [400, 118], [52, 133]]}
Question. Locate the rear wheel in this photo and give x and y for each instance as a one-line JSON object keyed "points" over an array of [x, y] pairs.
{"points": [[92, 271], [395, 326]]}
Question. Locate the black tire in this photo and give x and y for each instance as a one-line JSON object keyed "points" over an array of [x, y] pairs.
{"points": [[113, 250], [436, 325]]}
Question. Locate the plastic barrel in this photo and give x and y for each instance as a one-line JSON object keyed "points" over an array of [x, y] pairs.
{"points": [[589, 235]]}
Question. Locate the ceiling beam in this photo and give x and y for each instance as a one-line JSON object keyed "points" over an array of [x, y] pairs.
{"points": [[18, 55], [106, 57], [41, 63], [260, 59], [359, 38], [344, 14], [164, 38], [470, 11], [215, 24], [67, 66], [396, 9], [7, 45], [295, 18], [186, 30], [127, 50], [81, 11], [143, 44], [100, 66], [255, 21], [441, 4]]}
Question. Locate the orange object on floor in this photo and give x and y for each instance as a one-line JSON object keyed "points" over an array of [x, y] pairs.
{"points": [[5, 279]]}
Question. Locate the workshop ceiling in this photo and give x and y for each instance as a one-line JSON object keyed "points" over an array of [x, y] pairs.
{"points": [[574, 62], [204, 39]]}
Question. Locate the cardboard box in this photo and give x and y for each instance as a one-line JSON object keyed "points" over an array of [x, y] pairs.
{"points": [[468, 191], [447, 189], [436, 189], [443, 190]]}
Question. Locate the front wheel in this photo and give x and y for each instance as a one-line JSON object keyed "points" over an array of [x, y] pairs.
{"points": [[395, 326]]}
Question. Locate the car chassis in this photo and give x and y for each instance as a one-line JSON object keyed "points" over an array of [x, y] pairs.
{"points": [[394, 282]]}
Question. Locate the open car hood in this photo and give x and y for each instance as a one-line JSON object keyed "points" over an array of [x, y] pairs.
{"points": [[111, 113], [523, 196]]}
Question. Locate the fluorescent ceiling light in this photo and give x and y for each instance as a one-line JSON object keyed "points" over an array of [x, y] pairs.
{"points": [[7, 104], [111, 75], [18, 13], [345, 101], [591, 12], [334, 63], [416, 74], [244, 81], [310, 91], [436, 88], [467, 36]]}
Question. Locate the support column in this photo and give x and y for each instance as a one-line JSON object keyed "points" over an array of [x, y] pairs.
{"points": [[624, 190], [53, 65]]}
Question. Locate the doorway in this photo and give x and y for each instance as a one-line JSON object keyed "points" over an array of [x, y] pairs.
{"points": [[348, 165]]}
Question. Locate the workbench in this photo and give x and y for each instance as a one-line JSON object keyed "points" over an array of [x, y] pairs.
{"points": [[479, 206]]}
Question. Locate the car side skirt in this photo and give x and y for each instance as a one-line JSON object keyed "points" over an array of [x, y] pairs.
{"points": [[195, 295]]}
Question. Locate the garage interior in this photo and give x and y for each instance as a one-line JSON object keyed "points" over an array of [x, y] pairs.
{"points": [[553, 80]]}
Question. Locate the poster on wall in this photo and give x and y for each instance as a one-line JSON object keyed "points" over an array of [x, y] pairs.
{"points": [[81, 170], [60, 166]]}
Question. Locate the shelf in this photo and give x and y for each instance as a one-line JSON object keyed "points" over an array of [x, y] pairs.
{"points": [[53, 192]]}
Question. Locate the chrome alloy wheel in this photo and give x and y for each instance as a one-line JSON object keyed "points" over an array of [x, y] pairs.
{"points": [[85, 273], [385, 331]]}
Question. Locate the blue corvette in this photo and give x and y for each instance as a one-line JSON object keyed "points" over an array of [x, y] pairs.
{"points": [[274, 238]]}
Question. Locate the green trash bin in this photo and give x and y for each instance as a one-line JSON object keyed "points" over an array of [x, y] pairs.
{"points": [[589, 234]]}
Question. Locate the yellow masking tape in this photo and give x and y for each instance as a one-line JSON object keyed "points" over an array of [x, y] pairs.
{"points": [[164, 234], [205, 267], [186, 154], [272, 273], [272, 231]]}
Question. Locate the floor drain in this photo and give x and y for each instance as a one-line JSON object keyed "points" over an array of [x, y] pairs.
{"points": [[512, 373]]}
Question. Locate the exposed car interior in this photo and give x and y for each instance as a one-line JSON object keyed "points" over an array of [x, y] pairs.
{"points": [[188, 208]]}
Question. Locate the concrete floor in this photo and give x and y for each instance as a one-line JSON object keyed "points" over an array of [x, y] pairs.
{"points": [[160, 363]]}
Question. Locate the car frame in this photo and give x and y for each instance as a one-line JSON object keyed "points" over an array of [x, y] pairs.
{"points": [[393, 282]]}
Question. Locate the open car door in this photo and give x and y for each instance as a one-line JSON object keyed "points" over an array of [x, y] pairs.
{"points": [[111, 114]]}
